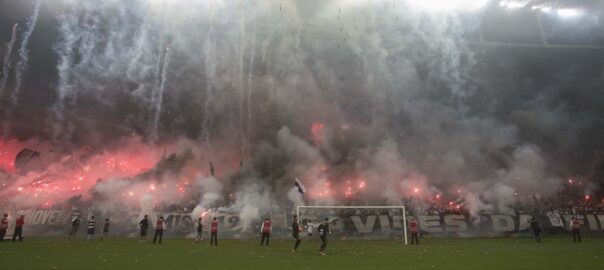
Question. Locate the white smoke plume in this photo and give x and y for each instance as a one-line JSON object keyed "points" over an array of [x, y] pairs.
{"points": [[254, 202], [211, 190]]}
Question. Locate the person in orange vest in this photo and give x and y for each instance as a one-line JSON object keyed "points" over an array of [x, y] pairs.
{"points": [[575, 227], [159, 229], [19, 228], [214, 232], [265, 230], [414, 229], [3, 227]]}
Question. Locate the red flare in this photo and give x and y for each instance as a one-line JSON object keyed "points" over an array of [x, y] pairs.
{"points": [[317, 133]]}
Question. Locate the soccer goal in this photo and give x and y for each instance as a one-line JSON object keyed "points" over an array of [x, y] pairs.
{"points": [[358, 222]]}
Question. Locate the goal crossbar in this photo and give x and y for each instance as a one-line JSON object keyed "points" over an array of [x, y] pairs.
{"points": [[402, 207]]}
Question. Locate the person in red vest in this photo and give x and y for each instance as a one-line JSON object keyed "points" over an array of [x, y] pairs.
{"points": [[414, 229], [265, 230], [3, 227], [214, 232], [19, 228], [575, 227], [159, 229]]}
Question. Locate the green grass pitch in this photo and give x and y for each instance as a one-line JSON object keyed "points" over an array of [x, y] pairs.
{"points": [[474, 253]]}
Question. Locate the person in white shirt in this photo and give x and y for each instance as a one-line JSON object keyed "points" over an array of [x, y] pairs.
{"points": [[309, 227], [91, 228]]}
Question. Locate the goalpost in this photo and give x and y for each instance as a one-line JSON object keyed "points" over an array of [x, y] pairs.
{"points": [[402, 207]]}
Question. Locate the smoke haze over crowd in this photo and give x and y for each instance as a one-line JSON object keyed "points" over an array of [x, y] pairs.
{"points": [[367, 101]]}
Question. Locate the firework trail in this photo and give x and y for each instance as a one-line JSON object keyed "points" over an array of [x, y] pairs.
{"points": [[210, 66], [7, 59], [242, 89], [24, 52], [249, 85], [158, 98]]}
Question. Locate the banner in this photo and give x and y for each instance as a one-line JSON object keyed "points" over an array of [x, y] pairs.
{"points": [[361, 226]]}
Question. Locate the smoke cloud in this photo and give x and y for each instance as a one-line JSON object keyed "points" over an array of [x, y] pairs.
{"points": [[374, 102]]}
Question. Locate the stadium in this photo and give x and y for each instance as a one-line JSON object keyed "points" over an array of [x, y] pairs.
{"points": [[301, 134]]}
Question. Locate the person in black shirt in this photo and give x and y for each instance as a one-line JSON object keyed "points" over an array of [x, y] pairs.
{"points": [[105, 229], [199, 230], [144, 225], [323, 232], [75, 223], [296, 233], [3, 226], [536, 229]]}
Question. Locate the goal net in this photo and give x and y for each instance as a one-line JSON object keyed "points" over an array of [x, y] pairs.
{"points": [[356, 222]]}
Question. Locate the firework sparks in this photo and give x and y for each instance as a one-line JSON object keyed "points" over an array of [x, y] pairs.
{"points": [[362, 185]]}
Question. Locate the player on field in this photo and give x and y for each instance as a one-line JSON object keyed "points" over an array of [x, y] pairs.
{"points": [[309, 227], [323, 232], [144, 225], [214, 232], [296, 233], [414, 229], [536, 229], [91, 228], [159, 229], [105, 229], [3, 226], [575, 226], [19, 228], [265, 230], [75, 224], [199, 230]]}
